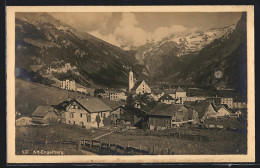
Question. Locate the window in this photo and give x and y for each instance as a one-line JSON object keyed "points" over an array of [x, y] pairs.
{"points": [[82, 124], [69, 122], [88, 118], [104, 115], [81, 115], [74, 122], [71, 115], [116, 115]]}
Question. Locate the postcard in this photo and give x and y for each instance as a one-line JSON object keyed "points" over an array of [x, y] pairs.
{"points": [[130, 84]]}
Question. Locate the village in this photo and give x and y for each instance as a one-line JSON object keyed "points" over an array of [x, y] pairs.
{"points": [[134, 111], [140, 106]]}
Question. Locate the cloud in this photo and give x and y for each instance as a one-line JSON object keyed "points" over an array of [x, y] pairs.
{"points": [[83, 22], [129, 34]]}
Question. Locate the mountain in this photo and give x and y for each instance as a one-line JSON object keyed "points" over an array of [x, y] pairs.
{"points": [[48, 50], [228, 55], [192, 59], [169, 50]]}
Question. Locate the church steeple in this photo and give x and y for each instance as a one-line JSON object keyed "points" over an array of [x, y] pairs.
{"points": [[131, 80]]}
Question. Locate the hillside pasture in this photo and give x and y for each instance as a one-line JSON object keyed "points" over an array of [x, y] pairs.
{"points": [[30, 95]]}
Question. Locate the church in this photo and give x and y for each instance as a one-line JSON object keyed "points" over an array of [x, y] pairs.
{"points": [[139, 87]]}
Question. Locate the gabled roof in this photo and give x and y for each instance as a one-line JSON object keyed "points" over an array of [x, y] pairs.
{"points": [[166, 97], [113, 104], [170, 91], [23, 117], [167, 110], [93, 105], [218, 107], [137, 112], [201, 107], [62, 105], [136, 85], [42, 110], [180, 90]]}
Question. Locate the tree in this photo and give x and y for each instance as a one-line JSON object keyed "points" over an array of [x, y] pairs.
{"points": [[144, 100], [99, 91]]}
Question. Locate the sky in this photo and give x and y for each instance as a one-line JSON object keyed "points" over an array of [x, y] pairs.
{"points": [[136, 28]]}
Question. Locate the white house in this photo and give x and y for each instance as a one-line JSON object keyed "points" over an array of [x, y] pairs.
{"points": [[85, 112]]}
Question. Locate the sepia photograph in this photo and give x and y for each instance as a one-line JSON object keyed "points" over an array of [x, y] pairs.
{"points": [[129, 84]]}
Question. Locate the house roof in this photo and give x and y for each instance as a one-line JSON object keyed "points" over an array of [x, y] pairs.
{"points": [[62, 105], [42, 110], [180, 90], [23, 117], [93, 105], [113, 104], [201, 107], [136, 85], [165, 109], [166, 97], [170, 91], [134, 111], [218, 107], [244, 110]]}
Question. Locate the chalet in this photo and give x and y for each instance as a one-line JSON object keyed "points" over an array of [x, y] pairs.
{"points": [[128, 115], [205, 110], [139, 87], [116, 111], [222, 111], [167, 99], [44, 115], [23, 121], [164, 116], [85, 112]]}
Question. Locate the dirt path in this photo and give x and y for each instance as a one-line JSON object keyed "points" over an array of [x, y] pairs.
{"points": [[102, 135]]}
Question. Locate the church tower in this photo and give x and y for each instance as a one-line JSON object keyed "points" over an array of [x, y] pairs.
{"points": [[131, 80]]}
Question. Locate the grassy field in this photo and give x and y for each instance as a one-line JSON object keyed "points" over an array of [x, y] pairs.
{"points": [[219, 141], [29, 95], [50, 137]]}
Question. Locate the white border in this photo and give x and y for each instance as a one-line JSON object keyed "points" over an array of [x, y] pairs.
{"points": [[10, 27]]}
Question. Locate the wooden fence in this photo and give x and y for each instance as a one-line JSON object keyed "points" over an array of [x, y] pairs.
{"points": [[102, 148]]}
